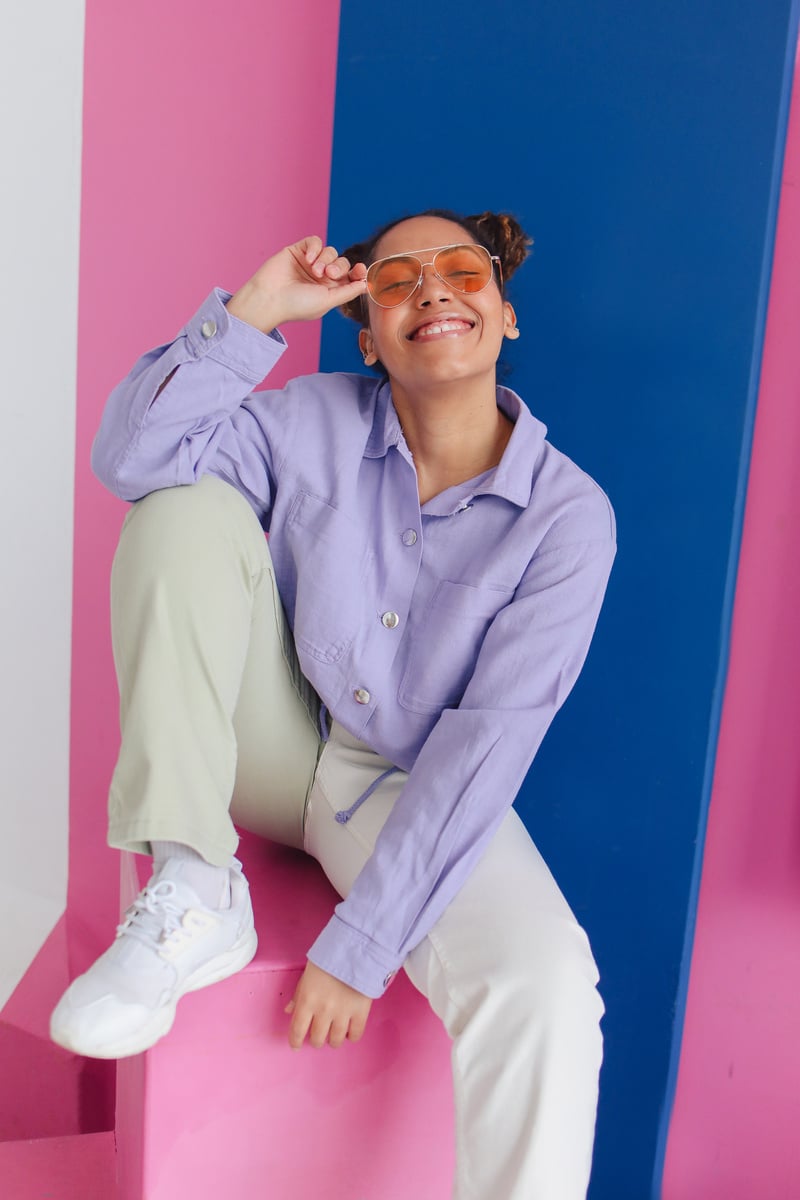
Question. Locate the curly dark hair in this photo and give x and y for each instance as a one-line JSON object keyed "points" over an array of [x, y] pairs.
{"points": [[500, 233]]}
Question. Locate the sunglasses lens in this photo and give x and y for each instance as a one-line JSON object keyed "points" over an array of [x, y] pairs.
{"points": [[392, 280], [466, 268]]}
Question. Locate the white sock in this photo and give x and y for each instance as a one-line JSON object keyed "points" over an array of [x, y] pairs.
{"points": [[211, 883]]}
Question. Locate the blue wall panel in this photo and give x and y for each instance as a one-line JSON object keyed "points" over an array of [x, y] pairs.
{"points": [[637, 143]]}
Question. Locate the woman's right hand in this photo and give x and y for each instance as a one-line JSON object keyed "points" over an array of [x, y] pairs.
{"points": [[300, 283]]}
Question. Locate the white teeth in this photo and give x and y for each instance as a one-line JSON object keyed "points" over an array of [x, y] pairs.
{"points": [[442, 327]]}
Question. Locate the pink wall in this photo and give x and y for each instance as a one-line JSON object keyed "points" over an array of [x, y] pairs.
{"points": [[207, 142], [734, 1131], [206, 145]]}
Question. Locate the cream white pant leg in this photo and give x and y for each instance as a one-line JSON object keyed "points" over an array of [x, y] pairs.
{"points": [[510, 973], [213, 706]]}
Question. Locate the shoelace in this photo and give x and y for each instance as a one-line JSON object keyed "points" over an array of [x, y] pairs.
{"points": [[153, 916]]}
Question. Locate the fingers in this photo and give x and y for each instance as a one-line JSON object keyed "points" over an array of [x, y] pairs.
{"points": [[325, 261], [310, 247], [337, 1034], [357, 1026], [333, 295], [325, 1011], [332, 1032], [318, 257], [300, 1024], [317, 1027], [327, 1030], [340, 269], [321, 1028], [347, 292]]}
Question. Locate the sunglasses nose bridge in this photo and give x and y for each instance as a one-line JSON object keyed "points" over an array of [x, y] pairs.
{"points": [[432, 276]]}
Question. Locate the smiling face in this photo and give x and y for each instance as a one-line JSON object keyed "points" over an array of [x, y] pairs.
{"points": [[439, 335]]}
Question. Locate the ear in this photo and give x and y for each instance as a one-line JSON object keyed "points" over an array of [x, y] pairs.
{"points": [[367, 348], [510, 329]]}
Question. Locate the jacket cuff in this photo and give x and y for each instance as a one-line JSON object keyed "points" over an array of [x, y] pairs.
{"points": [[350, 956], [246, 350]]}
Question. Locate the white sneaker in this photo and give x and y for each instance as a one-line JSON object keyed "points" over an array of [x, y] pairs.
{"points": [[168, 944]]}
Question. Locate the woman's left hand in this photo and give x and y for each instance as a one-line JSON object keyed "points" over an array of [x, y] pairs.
{"points": [[326, 1010]]}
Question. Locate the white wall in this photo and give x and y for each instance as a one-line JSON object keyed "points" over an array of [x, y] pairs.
{"points": [[41, 83]]}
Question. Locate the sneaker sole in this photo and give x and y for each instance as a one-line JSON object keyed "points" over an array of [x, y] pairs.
{"points": [[219, 968]]}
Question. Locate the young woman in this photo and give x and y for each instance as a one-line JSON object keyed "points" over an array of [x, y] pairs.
{"points": [[372, 684]]}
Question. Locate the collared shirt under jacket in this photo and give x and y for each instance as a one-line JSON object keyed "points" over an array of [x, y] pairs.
{"points": [[445, 637]]}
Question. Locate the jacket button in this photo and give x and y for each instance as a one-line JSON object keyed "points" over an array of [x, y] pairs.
{"points": [[409, 537], [208, 329], [361, 696], [390, 620]]}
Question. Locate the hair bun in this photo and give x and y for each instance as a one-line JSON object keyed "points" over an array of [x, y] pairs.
{"points": [[506, 238]]}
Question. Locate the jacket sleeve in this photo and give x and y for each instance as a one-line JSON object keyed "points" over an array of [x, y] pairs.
{"points": [[473, 763], [179, 413]]}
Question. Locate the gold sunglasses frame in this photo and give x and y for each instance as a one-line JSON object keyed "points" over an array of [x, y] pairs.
{"points": [[494, 259]]}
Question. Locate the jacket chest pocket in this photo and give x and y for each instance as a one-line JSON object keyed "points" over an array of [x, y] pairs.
{"points": [[446, 643], [331, 560]]}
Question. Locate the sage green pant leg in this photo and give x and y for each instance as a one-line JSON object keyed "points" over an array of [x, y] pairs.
{"points": [[213, 707]]}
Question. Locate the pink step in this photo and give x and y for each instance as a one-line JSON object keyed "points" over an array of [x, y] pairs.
{"points": [[46, 1092], [76, 1167], [222, 1106]]}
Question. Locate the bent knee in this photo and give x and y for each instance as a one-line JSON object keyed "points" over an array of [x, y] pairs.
{"points": [[554, 976], [170, 529], [208, 499]]}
